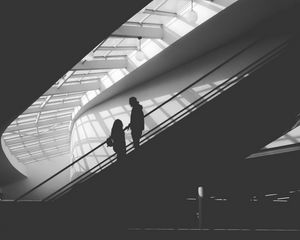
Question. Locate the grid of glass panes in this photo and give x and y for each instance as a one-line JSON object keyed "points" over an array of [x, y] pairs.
{"points": [[42, 131]]}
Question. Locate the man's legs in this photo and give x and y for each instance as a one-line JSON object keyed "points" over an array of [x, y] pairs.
{"points": [[136, 135]]}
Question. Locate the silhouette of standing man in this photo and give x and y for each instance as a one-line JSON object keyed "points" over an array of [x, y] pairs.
{"points": [[136, 121]]}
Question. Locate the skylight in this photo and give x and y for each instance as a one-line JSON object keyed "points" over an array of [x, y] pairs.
{"points": [[38, 132]]}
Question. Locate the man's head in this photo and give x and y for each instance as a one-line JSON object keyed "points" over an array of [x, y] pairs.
{"points": [[133, 101]]}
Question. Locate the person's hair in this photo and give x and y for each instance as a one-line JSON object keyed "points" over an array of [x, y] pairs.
{"points": [[133, 100], [117, 126]]}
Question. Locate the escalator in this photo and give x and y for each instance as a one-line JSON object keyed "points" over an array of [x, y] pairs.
{"points": [[203, 145]]}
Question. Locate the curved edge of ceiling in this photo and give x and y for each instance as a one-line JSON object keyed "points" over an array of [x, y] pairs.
{"points": [[39, 39], [14, 162], [11, 170], [216, 28], [208, 36]]}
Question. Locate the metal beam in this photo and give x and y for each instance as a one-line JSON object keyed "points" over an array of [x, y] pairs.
{"points": [[101, 64], [40, 123], [88, 75], [45, 157], [42, 136], [147, 24], [160, 13], [73, 88], [46, 100], [72, 96], [110, 57], [64, 79], [42, 156], [49, 156], [53, 107], [117, 48], [215, 5], [45, 137], [61, 82], [144, 31], [41, 147]]}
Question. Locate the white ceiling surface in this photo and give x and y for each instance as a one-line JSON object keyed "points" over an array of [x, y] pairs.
{"points": [[206, 37], [42, 131]]}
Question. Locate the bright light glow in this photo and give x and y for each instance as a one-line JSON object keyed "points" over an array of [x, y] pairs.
{"points": [[191, 16], [291, 137], [44, 103], [106, 81], [116, 75], [279, 143], [135, 61], [112, 46], [84, 100], [179, 27], [295, 133], [200, 191], [271, 194], [140, 56], [151, 49], [203, 14], [89, 96], [282, 198], [276, 200]]}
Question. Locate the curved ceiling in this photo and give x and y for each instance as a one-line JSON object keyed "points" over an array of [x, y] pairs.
{"points": [[41, 132], [40, 42], [43, 42]]}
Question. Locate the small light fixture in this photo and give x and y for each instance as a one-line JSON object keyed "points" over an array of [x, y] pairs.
{"points": [[139, 54], [200, 192], [192, 16]]}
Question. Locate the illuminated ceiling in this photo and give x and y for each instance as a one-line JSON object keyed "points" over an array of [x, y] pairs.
{"points": [[42, 131]]}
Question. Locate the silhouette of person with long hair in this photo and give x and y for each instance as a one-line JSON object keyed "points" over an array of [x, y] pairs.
{"points": [[136, 121], [118, 139]]}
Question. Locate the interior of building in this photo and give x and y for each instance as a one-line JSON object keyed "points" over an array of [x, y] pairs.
{"points": [[217, 82]]}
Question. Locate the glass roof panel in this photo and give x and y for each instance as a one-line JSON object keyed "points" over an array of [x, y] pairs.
{"points": [[158, 19], [180, 27], [128, 42], [51, 121], [151, 49], [203, 13], [292, 137], [116, 75], [106, 81], [101, 53]]}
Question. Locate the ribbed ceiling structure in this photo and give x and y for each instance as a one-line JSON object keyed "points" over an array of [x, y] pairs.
{"points": [[42, 131]]}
